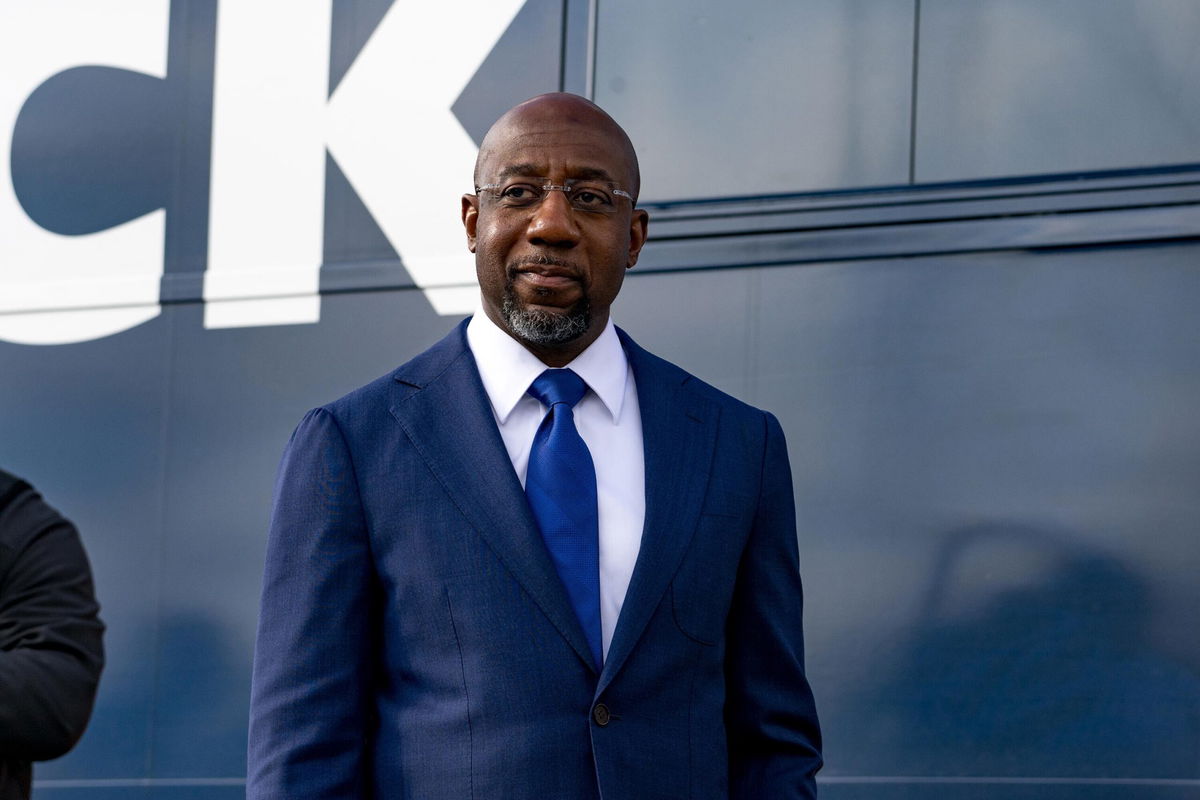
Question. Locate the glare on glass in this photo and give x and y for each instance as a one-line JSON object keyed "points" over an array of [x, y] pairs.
{"points": [[584, 194]]}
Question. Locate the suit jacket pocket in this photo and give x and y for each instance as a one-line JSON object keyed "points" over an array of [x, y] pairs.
{"points": [[702, 588]]}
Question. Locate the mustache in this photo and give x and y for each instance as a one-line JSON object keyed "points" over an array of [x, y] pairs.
{"points": [[541, 261]]}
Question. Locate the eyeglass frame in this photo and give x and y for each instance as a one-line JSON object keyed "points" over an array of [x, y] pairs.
{"points": [[546, 185]]}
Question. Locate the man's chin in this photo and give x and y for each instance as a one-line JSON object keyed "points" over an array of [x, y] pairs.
{"points": [[545, 326]]}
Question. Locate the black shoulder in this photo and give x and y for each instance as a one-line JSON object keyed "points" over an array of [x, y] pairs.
{"points": [[10, 487]]}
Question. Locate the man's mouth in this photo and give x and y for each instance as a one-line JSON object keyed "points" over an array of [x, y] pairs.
{"points": [[546, 280], [546, 277]]}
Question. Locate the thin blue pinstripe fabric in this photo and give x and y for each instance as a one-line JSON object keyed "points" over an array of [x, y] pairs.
{"points": [[561, 487]]}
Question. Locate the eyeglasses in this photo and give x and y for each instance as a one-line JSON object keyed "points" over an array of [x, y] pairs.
{"points": [[585, 194]]}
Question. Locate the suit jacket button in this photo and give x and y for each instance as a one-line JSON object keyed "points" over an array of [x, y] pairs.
{"points": [[601, 715]]}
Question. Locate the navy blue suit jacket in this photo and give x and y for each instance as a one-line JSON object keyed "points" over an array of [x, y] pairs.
{"points": [[415, 640]]}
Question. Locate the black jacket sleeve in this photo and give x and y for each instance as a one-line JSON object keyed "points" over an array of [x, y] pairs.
{"points": [[51, 652]]}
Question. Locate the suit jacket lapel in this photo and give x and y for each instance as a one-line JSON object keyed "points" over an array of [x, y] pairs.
{"points": [[678, 436], [444, 410]]}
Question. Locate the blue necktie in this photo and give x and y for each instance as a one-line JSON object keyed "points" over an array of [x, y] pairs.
{"points": [[561, 487]]}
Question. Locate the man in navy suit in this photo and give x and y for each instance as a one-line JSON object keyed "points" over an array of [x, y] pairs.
{"points": [[536, 561]]}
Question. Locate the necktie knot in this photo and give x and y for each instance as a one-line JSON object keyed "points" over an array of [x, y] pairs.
{"points": [[558, 386]]}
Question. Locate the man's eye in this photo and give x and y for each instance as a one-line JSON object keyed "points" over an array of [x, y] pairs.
{"points": [[591, 198], [519, 193]]}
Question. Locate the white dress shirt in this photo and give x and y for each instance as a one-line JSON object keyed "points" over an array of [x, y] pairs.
{"points": [[610, 423]]}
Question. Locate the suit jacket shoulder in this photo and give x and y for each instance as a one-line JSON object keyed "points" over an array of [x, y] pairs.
{"points": [[400, 383], [648, 367]]}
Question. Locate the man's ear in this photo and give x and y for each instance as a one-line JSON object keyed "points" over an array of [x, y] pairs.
{"points": [[638, 225], [470, 218]]}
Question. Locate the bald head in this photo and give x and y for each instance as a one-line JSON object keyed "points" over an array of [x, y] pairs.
{"points": [[556, 111]]}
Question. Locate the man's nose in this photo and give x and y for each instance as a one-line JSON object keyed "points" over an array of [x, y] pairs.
{"points": [[553, 222]]}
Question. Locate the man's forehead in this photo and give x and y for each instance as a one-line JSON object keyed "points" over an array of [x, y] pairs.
{"points": [[536, 169], [557, 135], [586, 154], [573, 153]]}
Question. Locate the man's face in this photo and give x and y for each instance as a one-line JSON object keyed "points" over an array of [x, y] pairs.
{"points": [[549, 272]]}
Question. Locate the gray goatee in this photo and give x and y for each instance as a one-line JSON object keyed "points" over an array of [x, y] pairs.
{"points": [[544, 328]]}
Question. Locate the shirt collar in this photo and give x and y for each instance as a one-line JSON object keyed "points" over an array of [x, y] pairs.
{"points": [[507, 368]]}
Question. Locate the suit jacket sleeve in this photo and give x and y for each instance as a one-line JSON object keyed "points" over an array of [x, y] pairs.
{"points": [[50, 635], [312, 664], [771, 720]]}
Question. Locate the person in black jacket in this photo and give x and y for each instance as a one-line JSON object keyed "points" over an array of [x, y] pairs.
{"points": [[51, 651]]}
